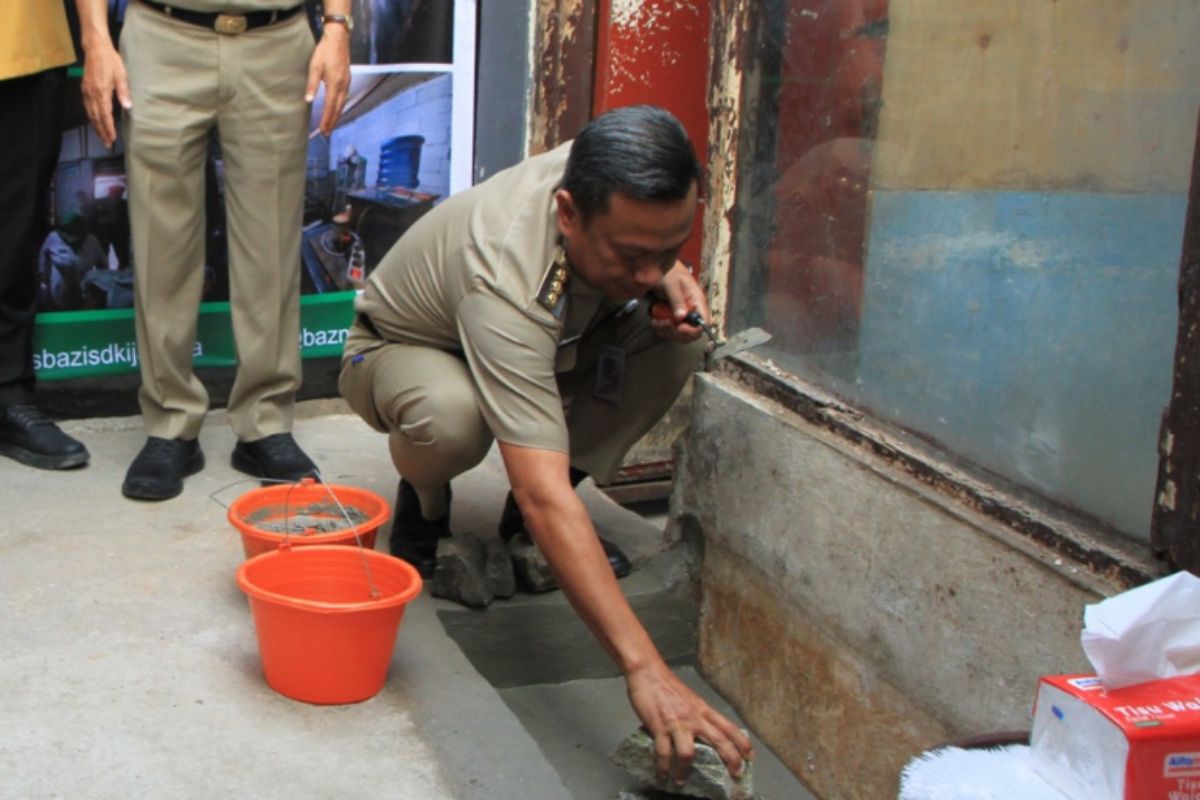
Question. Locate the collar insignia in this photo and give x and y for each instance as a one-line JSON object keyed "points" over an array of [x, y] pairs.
{"points": [[553, 296]]}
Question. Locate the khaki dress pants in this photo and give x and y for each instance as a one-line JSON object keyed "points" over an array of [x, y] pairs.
{"points": [[425, 399], [186, 82]]}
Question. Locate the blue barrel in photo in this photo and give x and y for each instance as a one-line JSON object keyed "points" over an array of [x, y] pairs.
{"points": [[400, 161]]}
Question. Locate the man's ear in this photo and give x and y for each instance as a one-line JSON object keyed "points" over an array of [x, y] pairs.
{"points": [[568, 218]]}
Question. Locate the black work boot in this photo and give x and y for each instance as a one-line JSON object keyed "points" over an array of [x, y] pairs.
{"points": [[29, 437], [159, 469], [274, 458], [512, 523], [413, 537]]}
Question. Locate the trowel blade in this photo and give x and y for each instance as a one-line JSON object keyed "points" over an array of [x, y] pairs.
{"points": [[742, 340]]}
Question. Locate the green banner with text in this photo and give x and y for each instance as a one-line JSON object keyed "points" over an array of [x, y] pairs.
{"points": [[74, 344]]}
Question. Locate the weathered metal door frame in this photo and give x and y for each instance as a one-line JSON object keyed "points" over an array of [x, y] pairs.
{"points": [[565, 64], [1175, 527]]}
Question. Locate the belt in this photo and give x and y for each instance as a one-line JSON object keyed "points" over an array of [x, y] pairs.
{"points": [[232, 24]]}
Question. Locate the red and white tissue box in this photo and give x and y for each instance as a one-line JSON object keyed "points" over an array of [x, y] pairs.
{"points": [[1141, 742]]}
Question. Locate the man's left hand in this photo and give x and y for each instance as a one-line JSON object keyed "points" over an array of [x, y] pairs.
{"points": [[330, 64], [682, 294]]}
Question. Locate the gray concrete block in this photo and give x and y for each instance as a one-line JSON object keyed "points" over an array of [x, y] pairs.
{"points": [[461, 573], [708, 778], [501, 580], [530, 565]]}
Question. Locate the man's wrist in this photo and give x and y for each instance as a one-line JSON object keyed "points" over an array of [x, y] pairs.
{"points": [[93, 40]]}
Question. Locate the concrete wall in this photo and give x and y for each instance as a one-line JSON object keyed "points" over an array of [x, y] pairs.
{"points": [[855, 616]]}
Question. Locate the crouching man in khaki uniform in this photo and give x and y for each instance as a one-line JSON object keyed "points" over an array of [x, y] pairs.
{"points": [[518, 311]]}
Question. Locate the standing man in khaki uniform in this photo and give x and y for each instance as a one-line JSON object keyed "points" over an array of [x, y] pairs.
{"points": [[35, 49], [517, 311], [248, 70]]}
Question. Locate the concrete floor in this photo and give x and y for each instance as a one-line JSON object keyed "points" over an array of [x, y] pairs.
{"points": [[130, 666]]}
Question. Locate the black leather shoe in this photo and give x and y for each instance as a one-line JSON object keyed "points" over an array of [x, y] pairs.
{"points": [[158, 471], [276, 458], [512, 523], [29, 437], [413, 537], [617, 559]]}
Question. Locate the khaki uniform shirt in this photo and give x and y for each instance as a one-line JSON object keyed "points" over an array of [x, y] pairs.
{"points": [[34, 37], [482, 274]]}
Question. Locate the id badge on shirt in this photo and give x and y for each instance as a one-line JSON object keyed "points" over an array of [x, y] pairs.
{"points": [[610, 374]]}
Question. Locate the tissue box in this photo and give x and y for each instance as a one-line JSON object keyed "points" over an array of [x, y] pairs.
{"points": [[1141, 742]]}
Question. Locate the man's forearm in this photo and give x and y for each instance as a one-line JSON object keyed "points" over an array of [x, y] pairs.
{"points": [[673, 713], [93, 24], [562, 529], [569, 542]]}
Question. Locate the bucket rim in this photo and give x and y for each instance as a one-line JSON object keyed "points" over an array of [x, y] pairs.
{"points": [[399, 599], [279, 493]]}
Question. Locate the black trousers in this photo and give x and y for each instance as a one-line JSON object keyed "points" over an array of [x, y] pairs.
{"points": [[30, 137]]}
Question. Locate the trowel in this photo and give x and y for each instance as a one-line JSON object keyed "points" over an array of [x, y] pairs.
{"points": [[742, 340]]}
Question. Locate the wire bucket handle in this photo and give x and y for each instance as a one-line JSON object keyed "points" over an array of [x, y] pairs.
{"points": [[372, 588]]}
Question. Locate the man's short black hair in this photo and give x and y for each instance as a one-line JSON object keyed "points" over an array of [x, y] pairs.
{"points": [[640, 151]]}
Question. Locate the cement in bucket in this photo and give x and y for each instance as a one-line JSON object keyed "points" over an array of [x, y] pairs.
{"points": [[322, 637], [258, 510]]}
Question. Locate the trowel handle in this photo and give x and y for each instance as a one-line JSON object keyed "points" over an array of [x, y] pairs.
{"points": [[660, 311], [663, 311]]}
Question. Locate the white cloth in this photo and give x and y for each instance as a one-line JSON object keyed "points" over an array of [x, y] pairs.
{"points": [[952, 773]]}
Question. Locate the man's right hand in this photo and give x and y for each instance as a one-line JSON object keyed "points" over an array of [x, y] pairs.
{"points": [[103, 70], [676, 717], [104, 75]]}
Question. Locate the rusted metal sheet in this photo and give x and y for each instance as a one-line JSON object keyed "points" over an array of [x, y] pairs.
{"points": [[565, 31], [805, 693], [656, 51], [1175, 527]]}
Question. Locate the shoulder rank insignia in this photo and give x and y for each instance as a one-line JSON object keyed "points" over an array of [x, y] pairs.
{"points": [[553, 295]]}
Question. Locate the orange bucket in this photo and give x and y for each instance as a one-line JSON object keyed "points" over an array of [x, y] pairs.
{"points": [[263, 515], [322, 636]]}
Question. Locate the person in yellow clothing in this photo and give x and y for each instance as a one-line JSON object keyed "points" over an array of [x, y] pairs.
{"points": [[35, 49]]}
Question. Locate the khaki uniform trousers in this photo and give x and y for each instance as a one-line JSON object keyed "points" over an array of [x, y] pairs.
{"points": [[425, 399], [187, 81]]}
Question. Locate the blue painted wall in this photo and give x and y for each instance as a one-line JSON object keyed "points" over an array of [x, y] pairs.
{"points": [[1032, 333]]}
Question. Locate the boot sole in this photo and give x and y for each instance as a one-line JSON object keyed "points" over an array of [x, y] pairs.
{"points": [[136, 492], [42, 460]]}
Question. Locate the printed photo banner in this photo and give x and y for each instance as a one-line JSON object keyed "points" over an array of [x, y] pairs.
{"points": [[402, 145]]}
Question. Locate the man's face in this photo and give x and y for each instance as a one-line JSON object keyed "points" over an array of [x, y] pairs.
{"points": [[625, 250]]}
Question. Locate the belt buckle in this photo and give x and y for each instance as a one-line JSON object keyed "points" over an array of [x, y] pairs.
{"points": [[230, 24]]}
